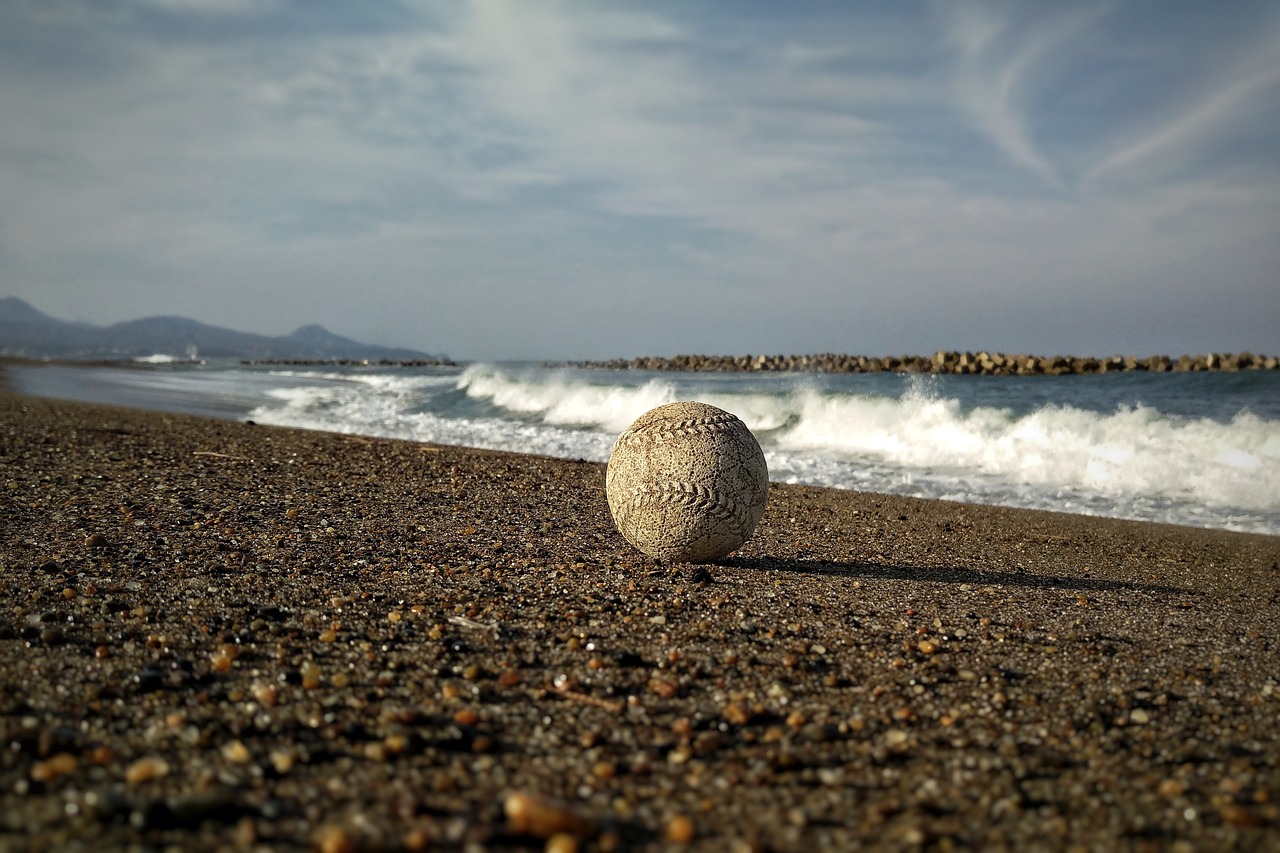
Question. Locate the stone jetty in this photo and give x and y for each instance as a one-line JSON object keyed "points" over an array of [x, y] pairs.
{"points": [[977, 363], [350, 362]]}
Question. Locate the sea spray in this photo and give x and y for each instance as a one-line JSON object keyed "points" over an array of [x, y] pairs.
{"points": [[1056, 456], [558, 397], [1183, 448]]}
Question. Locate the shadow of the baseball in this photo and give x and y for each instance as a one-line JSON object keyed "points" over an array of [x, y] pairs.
{"points": [[933, 574]]}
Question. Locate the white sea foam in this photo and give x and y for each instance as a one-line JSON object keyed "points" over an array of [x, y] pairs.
{"points": [[556, 398], [1081, 444], [392, 407], [1133, 461], [1134, 451], [1056, 457], [564, 397]]}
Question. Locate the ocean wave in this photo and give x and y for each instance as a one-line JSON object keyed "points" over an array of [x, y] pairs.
{"points": [[401, 407], [1132, 461], [1063, 454], [565, 397], [1131, 451], [556, 398]]}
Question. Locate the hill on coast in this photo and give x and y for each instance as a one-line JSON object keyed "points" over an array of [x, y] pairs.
{"points": [[30, 333]]}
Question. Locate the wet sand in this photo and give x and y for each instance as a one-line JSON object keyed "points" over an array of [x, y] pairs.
{"points": [[222, 635]]}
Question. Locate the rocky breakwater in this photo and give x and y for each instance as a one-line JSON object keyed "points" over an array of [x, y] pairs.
{"points": [[349, 362], [980, 363]]}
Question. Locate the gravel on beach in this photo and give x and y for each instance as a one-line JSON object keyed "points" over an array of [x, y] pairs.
{"points": [[220, 635]]}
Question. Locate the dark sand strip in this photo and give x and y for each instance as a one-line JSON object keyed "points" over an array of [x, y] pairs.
{"points": [[218, 634]]}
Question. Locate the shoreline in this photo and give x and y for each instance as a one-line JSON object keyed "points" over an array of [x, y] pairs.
{"points": [[66, 381], [217, 633]]}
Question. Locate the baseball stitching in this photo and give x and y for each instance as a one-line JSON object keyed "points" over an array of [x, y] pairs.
{"points": [[662, 429], [691, 495]]}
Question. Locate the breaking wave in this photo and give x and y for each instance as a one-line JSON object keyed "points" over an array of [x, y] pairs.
{"points": [[903, 436]]}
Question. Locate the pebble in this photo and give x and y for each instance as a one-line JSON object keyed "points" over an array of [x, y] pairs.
{"points": [[897, 740], [282, 759], [542, 817], [236, 752], [417, 840], [145, 770], [310, 673], [562, 842], [1239, 815], [62, 764], [679, 830], [334, 839]]}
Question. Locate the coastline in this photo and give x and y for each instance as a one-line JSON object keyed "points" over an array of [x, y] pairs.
{"points": [[222, 633]]}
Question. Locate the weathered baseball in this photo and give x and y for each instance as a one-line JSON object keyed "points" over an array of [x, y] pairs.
{"points": [[687, 483]]}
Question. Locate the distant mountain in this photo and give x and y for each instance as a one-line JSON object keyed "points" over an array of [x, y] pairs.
{"points": [[25, 331], [14, 310]]}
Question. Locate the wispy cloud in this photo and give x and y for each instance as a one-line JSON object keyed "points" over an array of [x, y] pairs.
{"points": [[1246, 86], [996, 70], [618, 101], [211, 7], [754, 136]]}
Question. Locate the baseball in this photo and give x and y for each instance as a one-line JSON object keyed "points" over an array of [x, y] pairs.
{"points": [[687, 483]]}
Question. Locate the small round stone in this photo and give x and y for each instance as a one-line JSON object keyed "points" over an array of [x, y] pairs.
{"points": [[680, 830], [687, 482], [145, 769]]}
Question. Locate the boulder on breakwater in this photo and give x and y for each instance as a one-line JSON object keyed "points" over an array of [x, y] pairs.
{"points": [[980, 363]]}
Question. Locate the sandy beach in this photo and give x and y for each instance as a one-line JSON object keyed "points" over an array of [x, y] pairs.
{"points": [[220, 635]]}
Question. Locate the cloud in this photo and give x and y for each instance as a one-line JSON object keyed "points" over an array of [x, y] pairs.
{"points": [[628, 105], [210, 7], [998, 63], [1237, 95], [516, 173], [596, 105]]}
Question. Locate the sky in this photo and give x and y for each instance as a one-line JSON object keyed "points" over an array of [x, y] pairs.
{"points": [[510, 179]]}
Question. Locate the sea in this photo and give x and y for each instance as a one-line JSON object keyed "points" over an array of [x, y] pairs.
{"points": [[1199, 449]]}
